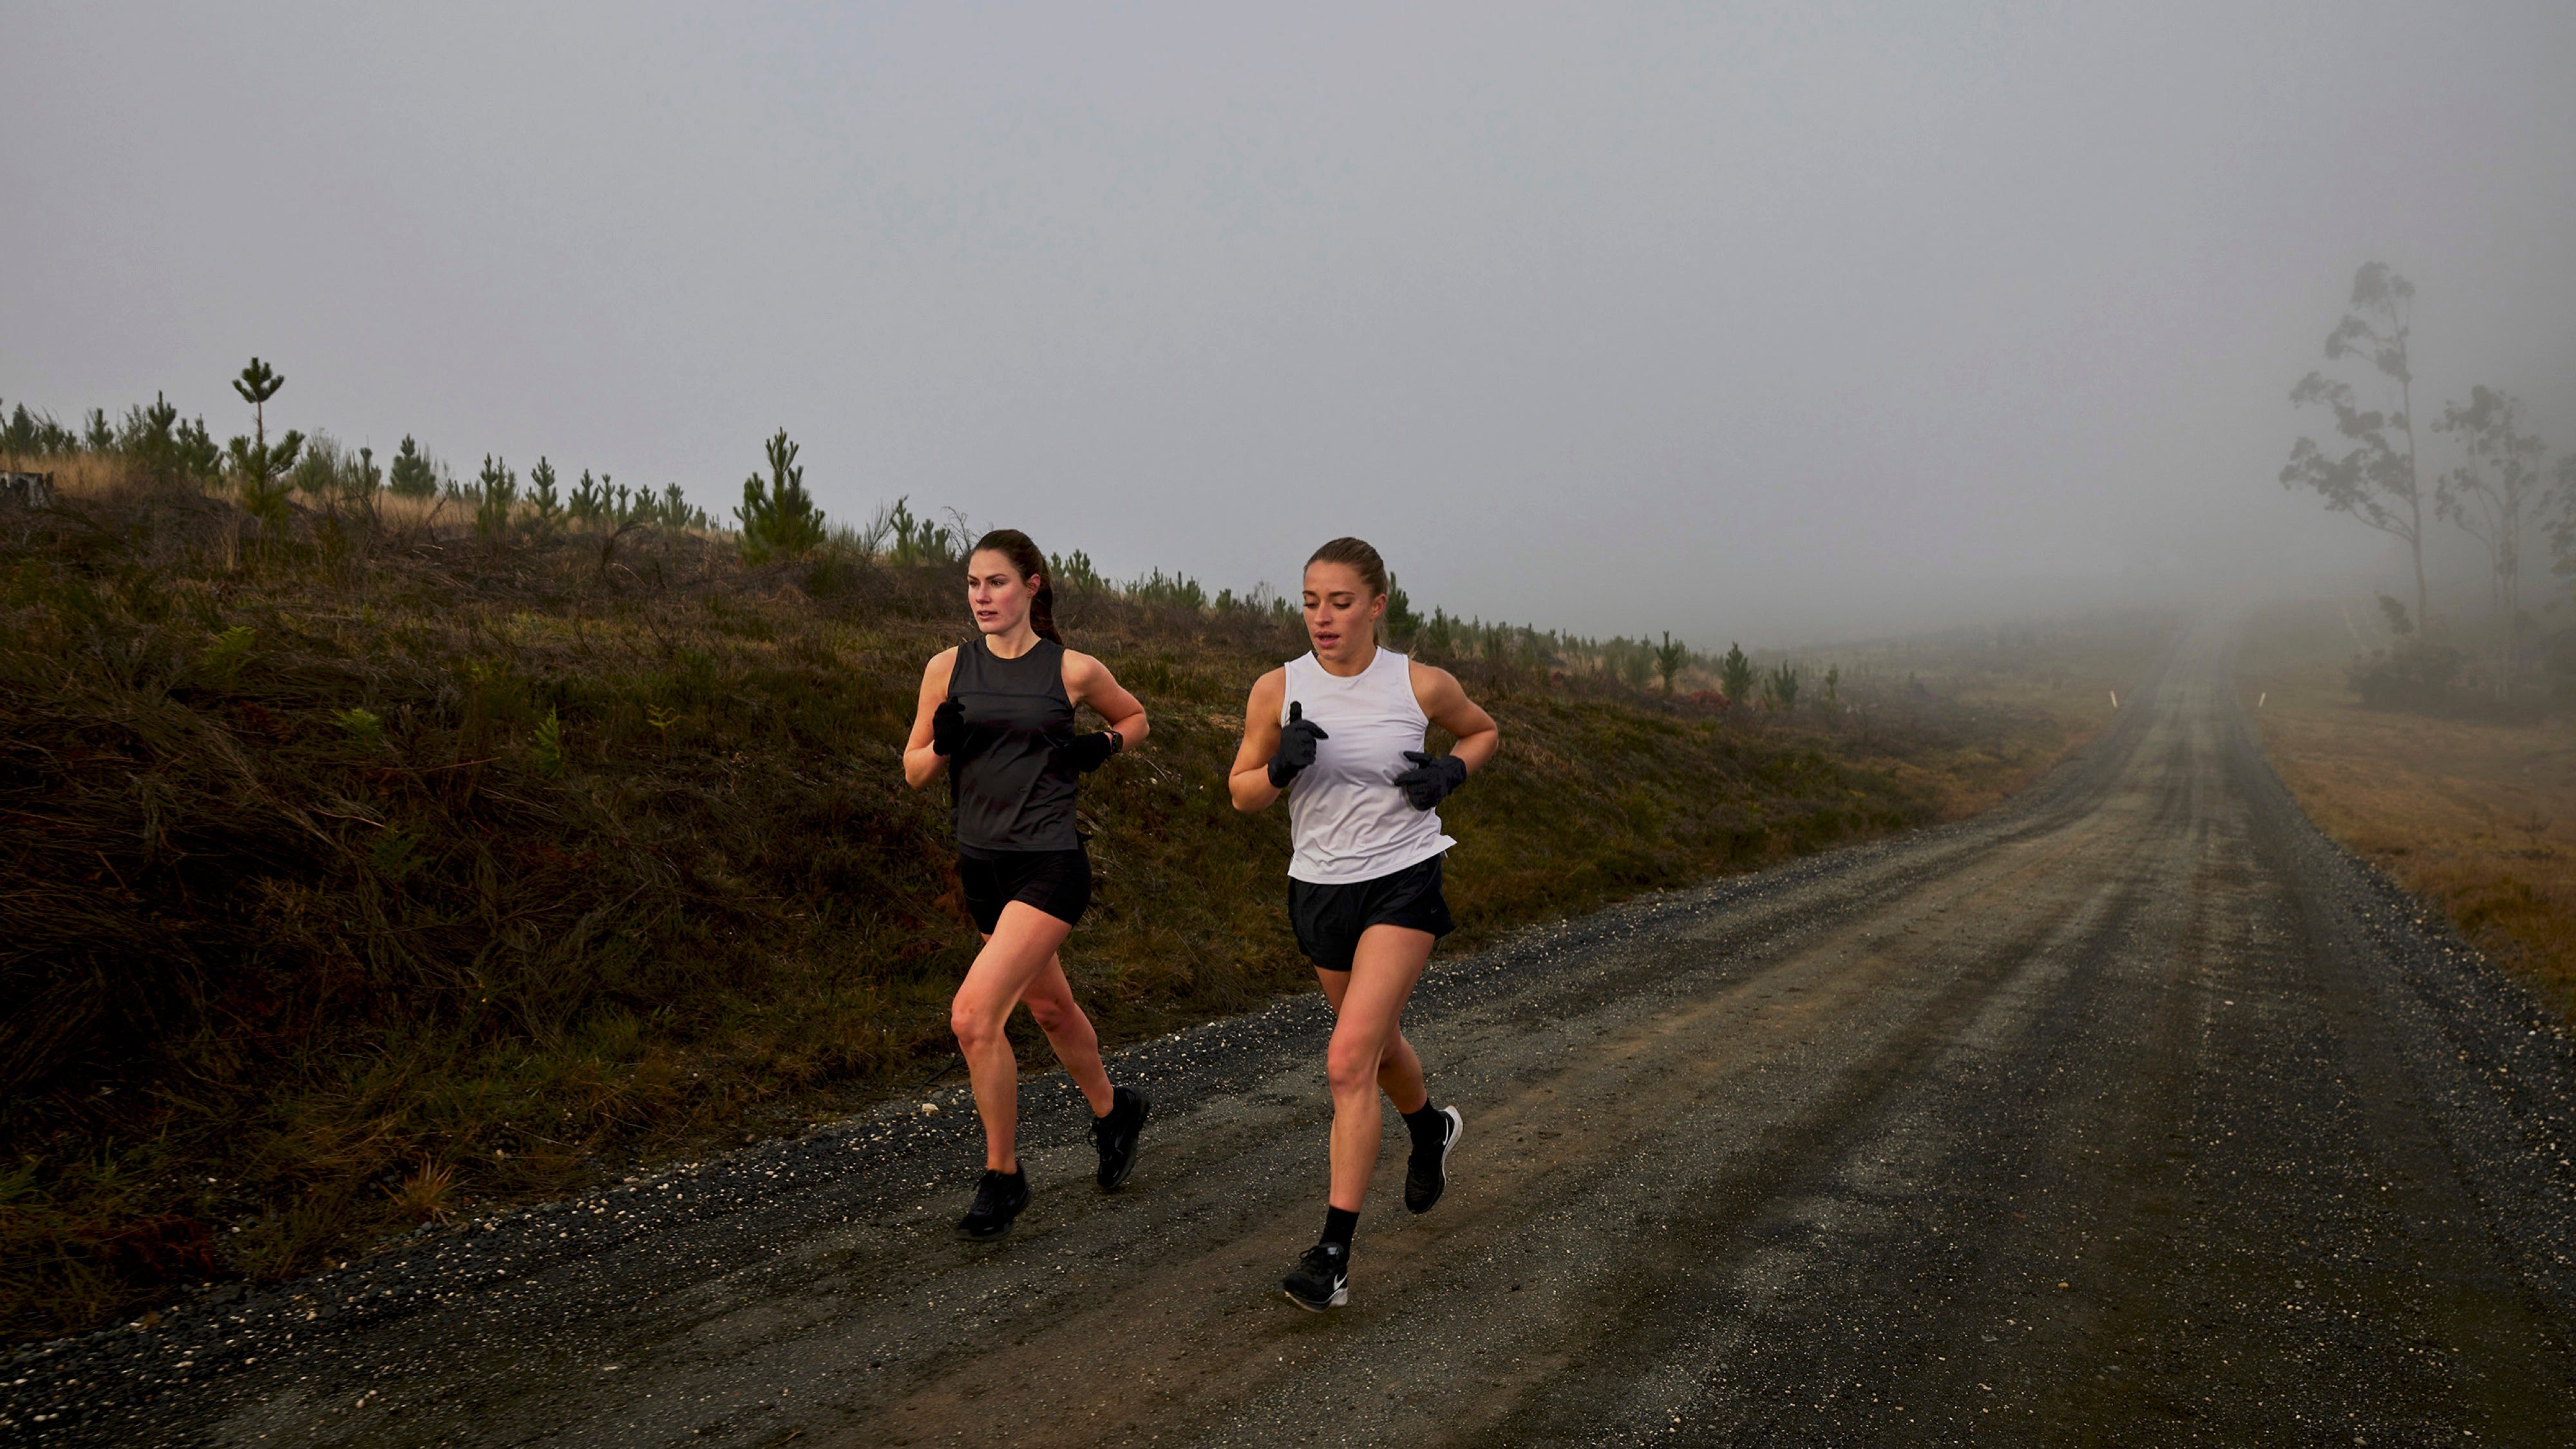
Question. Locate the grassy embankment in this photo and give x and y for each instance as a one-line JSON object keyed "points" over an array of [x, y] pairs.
{"points": [[374, 869], [2477, 818]]}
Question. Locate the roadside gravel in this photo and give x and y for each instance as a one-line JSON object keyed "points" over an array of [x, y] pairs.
{"points": [[2133, 1112]]}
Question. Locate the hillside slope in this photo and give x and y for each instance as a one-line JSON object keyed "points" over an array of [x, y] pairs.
{"points": [[364, 871]]}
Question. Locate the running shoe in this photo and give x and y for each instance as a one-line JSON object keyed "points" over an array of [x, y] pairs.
{"points": [[1115, 1135], [1321, 1279], [998, 1199], [1427, 1175]]}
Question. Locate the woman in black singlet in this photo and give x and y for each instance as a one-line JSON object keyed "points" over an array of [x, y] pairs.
{"points": [[997, 717]]}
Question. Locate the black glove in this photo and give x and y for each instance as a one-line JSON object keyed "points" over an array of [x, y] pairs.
{"points": [[1432, 778], [1087, 753], [1296, 746], [948, 727]]}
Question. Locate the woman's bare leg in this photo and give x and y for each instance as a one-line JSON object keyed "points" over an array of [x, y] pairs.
{"points": [[1367, 1019], [1399, 1075], [1015, 955], [1049, 998]]}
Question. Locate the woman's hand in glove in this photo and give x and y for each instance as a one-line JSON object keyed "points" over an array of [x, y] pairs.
{"points": [[1432, 778], [1296, 746], [948, 727], [1087, 753]]}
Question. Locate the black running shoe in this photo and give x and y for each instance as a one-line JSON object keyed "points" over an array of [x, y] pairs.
{"points": [[1115, 1136], [1321, 1279], [1427, 1175], [998, 1199]]}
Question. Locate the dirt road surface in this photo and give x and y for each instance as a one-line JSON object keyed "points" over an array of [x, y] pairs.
{"points": [[2133, 1113]]}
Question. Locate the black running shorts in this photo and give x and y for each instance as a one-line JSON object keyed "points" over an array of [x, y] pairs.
{"points": [[1057, 882], [1330, 918]]}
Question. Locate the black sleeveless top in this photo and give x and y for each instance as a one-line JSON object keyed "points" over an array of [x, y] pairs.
{"points": [[1009, 789]]}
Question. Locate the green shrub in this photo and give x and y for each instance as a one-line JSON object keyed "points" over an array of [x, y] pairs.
{"points": [[2413, 674], [547, 749], [362, 725]]}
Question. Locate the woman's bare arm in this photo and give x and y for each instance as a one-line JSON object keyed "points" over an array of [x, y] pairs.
{"points": [[921, 763], [1446, 702], [1087, 681], [1249, 781]]}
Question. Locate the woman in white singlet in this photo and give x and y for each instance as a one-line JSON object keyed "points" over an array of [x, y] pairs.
{"points": [[1340, 732]]}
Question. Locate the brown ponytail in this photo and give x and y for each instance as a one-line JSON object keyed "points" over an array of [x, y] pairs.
{"points": [[1025, 558]]}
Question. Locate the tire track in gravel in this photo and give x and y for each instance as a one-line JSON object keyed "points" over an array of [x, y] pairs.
{"points": [[2133, 1112]]}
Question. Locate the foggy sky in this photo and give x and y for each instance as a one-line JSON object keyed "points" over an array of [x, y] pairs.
{"points": [[1758, 322]]}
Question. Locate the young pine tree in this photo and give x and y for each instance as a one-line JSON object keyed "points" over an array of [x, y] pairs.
{"points": [[1780, 687], [260, 466], [589, 498], [1669, 659], [779, 519], [674, 512], [542, 495], [1735, 675], [500, 493], [147, 438], [414, 474]]}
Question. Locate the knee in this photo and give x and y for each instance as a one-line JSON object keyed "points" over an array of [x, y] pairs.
{"points": [[975, 1029], [1352, 1066]]}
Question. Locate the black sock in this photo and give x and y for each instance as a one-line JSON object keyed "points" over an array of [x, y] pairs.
{"points": [[1339, 1225], [1428, 1126], [1016, 1174]]}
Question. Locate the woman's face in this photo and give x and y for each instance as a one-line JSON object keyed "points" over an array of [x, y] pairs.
{"points": [[1341, 613], [997, 593]]}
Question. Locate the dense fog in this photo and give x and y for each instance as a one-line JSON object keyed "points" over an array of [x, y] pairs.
{"points": [[1762, 322]]}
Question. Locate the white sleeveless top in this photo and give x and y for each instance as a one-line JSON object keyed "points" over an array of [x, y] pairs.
{"points": [[1347, 822]]}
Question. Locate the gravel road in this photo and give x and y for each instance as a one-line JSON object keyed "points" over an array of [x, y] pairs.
{"points": [[2134, 1112]]}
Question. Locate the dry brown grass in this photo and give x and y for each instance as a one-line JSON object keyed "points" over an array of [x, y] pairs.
{"points": [[2477, 818]]}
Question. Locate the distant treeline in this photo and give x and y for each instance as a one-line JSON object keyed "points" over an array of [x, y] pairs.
{"points": [[778, 519]]}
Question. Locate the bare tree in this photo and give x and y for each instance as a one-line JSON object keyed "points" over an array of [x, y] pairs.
{"points": [[2375, 479], [2492, 496]]}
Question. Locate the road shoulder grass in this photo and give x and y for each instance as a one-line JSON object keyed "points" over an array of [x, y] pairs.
{"points": [[2478, 819]]}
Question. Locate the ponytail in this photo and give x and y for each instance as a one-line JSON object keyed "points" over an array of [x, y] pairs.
{"points": [[1025, 558]]}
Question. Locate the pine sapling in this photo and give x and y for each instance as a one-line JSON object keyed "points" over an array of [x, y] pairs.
{"points": [[500, 494], [413, 474], [261, 467], [779, 519], [1735, 675], [1669, 660], [542, 495]]}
